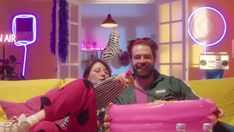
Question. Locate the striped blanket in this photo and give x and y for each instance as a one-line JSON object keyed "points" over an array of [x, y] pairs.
{"points": [[106, 91]]}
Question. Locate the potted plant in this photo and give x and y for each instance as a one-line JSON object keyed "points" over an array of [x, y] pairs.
{"points": [[7, 69]]}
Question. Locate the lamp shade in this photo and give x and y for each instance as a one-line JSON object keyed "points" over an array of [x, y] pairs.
{"points": [[109, 22]]}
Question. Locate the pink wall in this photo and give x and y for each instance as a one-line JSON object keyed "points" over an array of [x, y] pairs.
{"points": [[41, 63], [226, 8]]}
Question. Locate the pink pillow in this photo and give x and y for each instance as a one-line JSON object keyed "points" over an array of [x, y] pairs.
{"points": [[30, 107], [16, 109]]}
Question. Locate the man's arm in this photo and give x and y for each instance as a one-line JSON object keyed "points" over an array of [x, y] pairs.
{"points": [[187, 92]]}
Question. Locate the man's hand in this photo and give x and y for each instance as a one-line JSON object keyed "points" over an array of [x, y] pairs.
{"points": [[219, 113], [125, 79], [157, 102]]}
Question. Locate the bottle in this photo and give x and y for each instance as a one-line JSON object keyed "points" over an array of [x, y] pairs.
{"points": [[207, 127], [100, 117], [180, 127]]}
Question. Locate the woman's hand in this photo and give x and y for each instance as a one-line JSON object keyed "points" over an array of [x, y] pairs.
{"points": [[107, 123]]}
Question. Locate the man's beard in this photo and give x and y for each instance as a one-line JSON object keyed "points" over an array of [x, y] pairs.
{"points": [[145, 74]]}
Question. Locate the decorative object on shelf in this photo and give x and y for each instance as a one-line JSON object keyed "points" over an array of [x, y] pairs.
{"points": [[90, 46], [63, 30], [53, 29], [112, 48], [123, 58], [7, 69]]}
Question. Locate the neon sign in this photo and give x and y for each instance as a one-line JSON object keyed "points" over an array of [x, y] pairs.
{"points": [[24, 28], [9, 38], [202, 28]]}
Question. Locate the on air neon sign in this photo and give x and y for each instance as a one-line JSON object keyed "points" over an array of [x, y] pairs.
{"points": [[23, 34]]}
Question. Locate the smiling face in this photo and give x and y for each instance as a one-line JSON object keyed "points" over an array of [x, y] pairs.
{"points": [[98, 73], [142, 60]]}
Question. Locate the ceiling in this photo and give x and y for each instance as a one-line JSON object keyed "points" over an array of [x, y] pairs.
{"points": [[118, 10], [118, 1]]}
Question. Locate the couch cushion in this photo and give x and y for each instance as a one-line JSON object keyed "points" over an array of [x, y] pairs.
{"points": [[67, 81], [28, 108], [20, 91], [221, 91], [3, 116], [16, 109]]}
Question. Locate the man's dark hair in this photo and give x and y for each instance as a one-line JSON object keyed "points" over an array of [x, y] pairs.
{"points": [[146, 41]]}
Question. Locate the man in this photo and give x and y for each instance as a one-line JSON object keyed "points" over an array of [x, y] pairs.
{"points": [[150, 85]]}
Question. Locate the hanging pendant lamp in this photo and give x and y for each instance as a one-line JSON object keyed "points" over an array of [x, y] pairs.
{"points": [[109, 22]]}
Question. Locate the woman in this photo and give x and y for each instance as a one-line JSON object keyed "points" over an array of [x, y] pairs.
{"points": [[76, 100]]}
